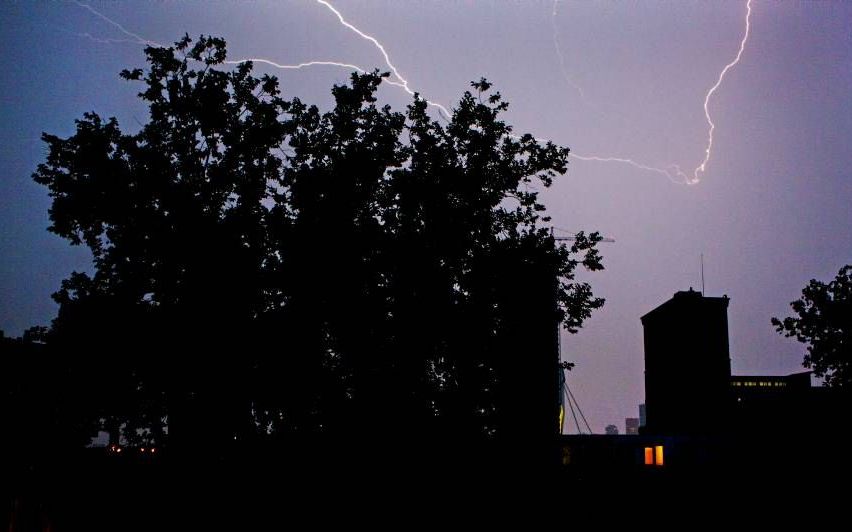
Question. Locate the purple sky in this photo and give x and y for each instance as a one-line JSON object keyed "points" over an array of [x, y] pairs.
{"points": [[771, 211]]}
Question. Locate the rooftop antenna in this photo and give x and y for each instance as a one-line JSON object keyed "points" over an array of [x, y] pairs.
{"points": [[702, 274]]}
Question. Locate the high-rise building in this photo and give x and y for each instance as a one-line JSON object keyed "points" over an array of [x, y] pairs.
{"points": [[631, 425], [687, 365]]}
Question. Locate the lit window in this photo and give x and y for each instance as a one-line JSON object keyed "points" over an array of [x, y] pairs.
{"points": [[654, 455]]}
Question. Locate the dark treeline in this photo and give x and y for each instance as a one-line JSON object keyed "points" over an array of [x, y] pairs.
{"points": [[264, 272]]}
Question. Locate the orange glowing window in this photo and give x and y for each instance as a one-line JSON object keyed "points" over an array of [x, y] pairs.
{"points": [[654, 455]]}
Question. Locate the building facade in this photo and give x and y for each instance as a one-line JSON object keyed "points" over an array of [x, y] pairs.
{"points": [[687, 364]]}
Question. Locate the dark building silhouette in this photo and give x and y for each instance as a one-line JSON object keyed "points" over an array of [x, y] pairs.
{"points": [[689, 389], [764, 404], [701, 420], [631, 425], [687, 364]]}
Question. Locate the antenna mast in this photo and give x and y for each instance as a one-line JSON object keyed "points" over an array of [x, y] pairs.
{"points": [[702, 274]]}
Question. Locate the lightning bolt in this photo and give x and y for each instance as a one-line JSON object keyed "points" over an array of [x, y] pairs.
{"points": [[300, 66], [373, 40], [403, 83], [558, 50], [672, 172], [135, 38], [703, 165], [400, 81], [102, 40]]}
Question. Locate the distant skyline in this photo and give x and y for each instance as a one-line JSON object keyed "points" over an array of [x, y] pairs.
{"points": [[607, 79]]}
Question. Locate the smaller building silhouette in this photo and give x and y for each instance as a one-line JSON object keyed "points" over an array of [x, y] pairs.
{"points": [[785, 403]]}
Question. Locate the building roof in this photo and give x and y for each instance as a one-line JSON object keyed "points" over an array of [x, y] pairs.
{"points": [[681, 298]]}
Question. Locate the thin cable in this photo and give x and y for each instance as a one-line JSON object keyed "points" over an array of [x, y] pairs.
{"points": [[578, 407], [571, 406]]}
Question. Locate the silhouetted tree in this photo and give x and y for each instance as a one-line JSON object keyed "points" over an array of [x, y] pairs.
{"points": [[262, 268], [39, 410], [174, 218], [824, 324]]}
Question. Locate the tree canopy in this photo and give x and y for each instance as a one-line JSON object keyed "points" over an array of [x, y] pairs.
{"points": [[264, 269], [823, 322]]}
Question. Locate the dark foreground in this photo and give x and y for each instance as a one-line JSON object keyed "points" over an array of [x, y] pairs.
{"points": [[259, 488]]}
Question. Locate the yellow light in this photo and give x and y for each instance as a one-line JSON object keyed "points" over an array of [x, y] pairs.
{"points": [[649, 456], [658, 450], [561, 417]]}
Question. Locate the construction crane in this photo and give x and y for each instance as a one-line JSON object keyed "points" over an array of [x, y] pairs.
{"points": [[573, 237], [565, 394]]}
